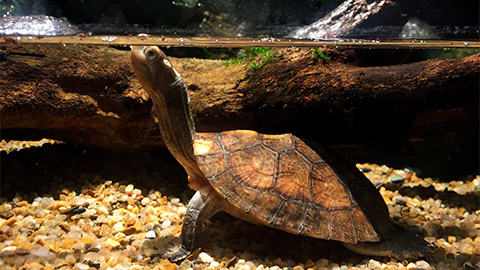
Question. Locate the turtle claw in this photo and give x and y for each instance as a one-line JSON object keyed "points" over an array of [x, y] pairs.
{"points": [[175, 254]]}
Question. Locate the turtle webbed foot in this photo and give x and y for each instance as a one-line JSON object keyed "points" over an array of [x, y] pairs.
{"points": [[175, 254], [412, 246], [404, 245]]}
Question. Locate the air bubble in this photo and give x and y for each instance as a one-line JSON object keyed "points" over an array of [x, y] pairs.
{"points": [[466, 44], [108, 39]]}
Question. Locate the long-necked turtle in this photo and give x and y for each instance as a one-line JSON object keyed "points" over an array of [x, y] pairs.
{"points": [[275, 180]]}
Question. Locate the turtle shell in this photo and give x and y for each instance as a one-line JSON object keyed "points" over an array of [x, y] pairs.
{"points": [[281, 182]]}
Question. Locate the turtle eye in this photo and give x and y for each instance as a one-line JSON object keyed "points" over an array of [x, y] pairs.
{"points": [[151, 53]]}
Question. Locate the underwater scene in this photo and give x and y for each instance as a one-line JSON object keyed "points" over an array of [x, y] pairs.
{"points": [[239, 134]]}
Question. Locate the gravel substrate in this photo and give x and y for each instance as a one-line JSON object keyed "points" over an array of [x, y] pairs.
{"points": [[120, 214]]}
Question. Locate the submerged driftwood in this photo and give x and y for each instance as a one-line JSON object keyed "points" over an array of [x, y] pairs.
{"points": [[88, 95]]}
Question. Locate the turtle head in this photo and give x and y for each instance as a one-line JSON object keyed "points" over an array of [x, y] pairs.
{"points": [[152, 68]]}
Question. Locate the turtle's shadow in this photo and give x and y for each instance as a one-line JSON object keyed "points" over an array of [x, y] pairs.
{"points": [[48, 170], [225, 234], [470, 201]]}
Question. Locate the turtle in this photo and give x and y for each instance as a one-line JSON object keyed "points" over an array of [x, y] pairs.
{"points": [[273, 180]]}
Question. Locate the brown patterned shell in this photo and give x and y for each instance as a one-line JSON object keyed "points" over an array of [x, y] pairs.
{"points": [[281, 182]]}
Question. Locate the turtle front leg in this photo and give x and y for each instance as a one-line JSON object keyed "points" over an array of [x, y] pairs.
{"points": [[204, 204]]}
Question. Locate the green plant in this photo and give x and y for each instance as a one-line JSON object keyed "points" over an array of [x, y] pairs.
{"points": [[253, 52], [318, 54]]}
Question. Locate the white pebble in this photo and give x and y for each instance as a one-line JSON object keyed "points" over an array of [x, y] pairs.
{"points": [[41, 252], [214, 265], [150, 234], [8, 207], [204, 257], [422, 264], [102, 210], [8, 251], [411, 266], [129, 188], [118, 227], [167, 223], [260, 267], [74, 234], [372, 264], [145, 201], [175, 200], [244, 267], [82, 266]]}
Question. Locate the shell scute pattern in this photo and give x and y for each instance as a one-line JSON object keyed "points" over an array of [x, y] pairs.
{"points": [[281, 182]]}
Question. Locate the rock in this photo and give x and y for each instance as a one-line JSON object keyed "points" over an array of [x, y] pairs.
{"points": [[22, 251], [82, 266], [411, 266], [372, 264], [151, 234], [70, 258], [8, 251], [129, 188], [41, 252], [111, 243], [423, 264], [167, 265], [145, 201], [185, 265], [204, 257]]}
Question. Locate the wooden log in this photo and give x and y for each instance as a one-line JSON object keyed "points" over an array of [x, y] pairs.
{"points": [[89, 95]]}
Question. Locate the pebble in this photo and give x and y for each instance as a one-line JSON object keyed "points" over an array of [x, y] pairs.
{"points": [[145, 201], [214, 265], [129, 188], [41, 252], [411, 266], [112, 243], [372, 264], [150, 234], [422, 264], [8, 251], [260, 267], [204, 257]]}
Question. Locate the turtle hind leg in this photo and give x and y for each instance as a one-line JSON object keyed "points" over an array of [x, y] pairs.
{"points": [[402, 245], [202, 206]]}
